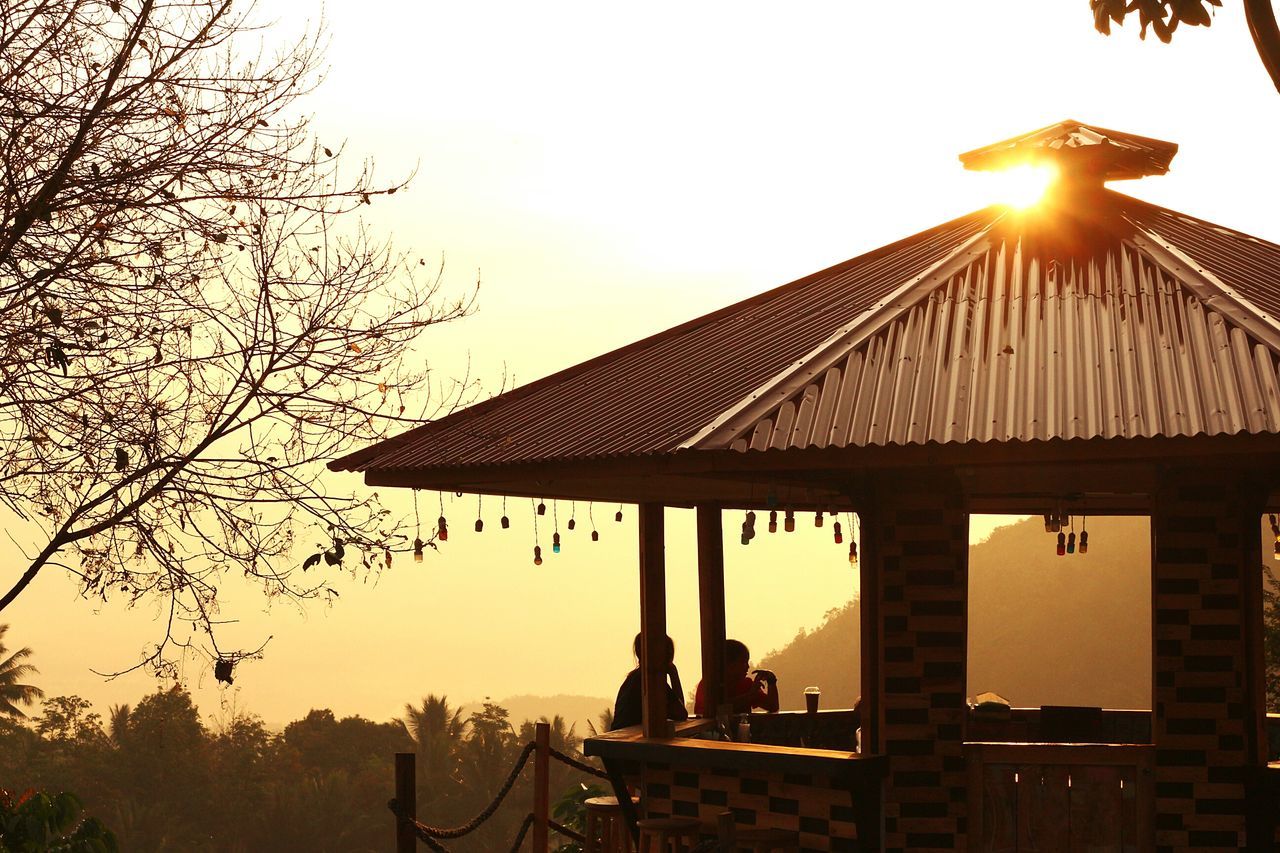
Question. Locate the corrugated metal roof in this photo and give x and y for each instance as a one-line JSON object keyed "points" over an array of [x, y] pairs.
{"points": [[1016, 346], [1147, 323], [652, 395]]}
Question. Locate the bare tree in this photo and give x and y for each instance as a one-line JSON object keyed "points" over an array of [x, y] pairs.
{"points": [[1164, 17], [189, 318]]}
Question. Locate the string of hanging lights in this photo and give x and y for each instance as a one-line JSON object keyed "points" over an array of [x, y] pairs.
{"points": [[1064, 525]]}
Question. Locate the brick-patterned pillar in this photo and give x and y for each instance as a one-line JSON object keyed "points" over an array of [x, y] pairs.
{"points": [[918, 534], [1205, 556]]}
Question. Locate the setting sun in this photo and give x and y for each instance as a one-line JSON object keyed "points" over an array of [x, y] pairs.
{"points": [[1022, 186]]}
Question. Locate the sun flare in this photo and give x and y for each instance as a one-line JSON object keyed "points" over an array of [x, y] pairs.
{"points": [[1023, 186]]}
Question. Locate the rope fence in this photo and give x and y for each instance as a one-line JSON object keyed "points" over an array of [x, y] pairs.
{"points": [[402, 805]]}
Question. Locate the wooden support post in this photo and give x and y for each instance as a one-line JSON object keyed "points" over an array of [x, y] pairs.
{"points": [[869, 606], [711, 604], [727, 833], [407, 801], [653, 620], [541, 792]]}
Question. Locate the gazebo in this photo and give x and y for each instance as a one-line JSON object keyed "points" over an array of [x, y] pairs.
{"points": [[1094, 353]]}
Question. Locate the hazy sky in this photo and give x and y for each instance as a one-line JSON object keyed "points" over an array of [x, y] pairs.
{"points": [[611, 170]]}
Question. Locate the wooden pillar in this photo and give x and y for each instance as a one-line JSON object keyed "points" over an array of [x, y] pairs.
{"points": [[407, 801], [869, 628], [653, 620], [711, 605], [541, 789]]}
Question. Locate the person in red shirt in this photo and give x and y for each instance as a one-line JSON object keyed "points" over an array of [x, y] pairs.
{"points": [[741, 691]]}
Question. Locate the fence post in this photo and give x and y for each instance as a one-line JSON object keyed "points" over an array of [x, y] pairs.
{"points": [[541, 803], [407, 800]]}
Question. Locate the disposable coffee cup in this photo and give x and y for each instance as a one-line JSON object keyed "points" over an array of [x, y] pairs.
{"points": [[811, 696]]}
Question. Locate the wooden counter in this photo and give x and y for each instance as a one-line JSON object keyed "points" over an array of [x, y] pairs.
{"points": [[831, 797]]}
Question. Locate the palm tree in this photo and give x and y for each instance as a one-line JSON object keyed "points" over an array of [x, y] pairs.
{"points": [[436, 729], [12, 669]]}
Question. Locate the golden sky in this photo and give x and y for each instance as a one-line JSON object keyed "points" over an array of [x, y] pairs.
{"points": [[612, 170]]}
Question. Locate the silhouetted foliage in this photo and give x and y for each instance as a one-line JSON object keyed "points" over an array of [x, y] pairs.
{"points": [[12, 669], [1165, 16], [162, 779], [194, 319]]}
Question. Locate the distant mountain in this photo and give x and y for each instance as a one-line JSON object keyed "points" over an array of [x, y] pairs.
{"points": [[577, 710], [1043, 629]]}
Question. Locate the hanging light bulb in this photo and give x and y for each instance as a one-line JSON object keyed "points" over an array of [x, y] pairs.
{"points": [[789, 523], [442, 529], [817, 518], [506, 522], [773, 521], [417, 550], [1062, 544], [572, 524], [542, 508], [595, 536], [617, 516], [1048, 523], [835, 530], [479, 525], [1084, 542], [853, 553], [537, 555], [1071, 542], [555, 543]]}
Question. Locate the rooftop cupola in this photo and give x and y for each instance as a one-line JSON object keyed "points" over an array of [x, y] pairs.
{"points": [[1082, 154]]}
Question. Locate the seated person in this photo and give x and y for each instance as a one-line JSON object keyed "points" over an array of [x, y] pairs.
{"points": [[627, 708], [741, 691]]}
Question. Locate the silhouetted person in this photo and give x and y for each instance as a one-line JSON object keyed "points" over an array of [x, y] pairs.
{"points": [[628, 707], [740, 690]]}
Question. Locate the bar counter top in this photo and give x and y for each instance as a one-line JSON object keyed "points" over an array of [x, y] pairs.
{"points": [[683, 749]]}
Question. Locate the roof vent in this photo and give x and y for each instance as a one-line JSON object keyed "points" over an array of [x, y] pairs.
{"points": [[1078, 151]]}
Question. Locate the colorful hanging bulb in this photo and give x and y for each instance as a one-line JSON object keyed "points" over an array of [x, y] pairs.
{"points": [[1048, 523], [417, 550], [773, 521], [789, 523], [479, 525], [1084, 542], [853, 553], [1062, 544], [542, 508], [817, 518], [555, 543], [442, 529], [835, 530], [537, 555], [1071, 542]]}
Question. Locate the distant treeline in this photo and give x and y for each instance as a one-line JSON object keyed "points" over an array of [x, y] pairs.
{"points": [[162, 780]]}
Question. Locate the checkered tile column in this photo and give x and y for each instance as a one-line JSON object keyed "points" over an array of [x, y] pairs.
{"points": [[921, 545], [1204, 550]]}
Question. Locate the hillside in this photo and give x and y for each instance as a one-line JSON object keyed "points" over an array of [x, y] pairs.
{"points": [[1043, 629]]}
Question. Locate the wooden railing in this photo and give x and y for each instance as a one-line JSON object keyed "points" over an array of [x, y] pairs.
{"points": [[1079, 796]]}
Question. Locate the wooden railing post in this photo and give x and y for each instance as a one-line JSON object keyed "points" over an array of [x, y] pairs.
{"points": [[541, 800], [407, 800]]}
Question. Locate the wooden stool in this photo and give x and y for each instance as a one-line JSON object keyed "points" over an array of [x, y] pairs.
{"points": [[606, 829], [668, 834], [768, 840]]}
